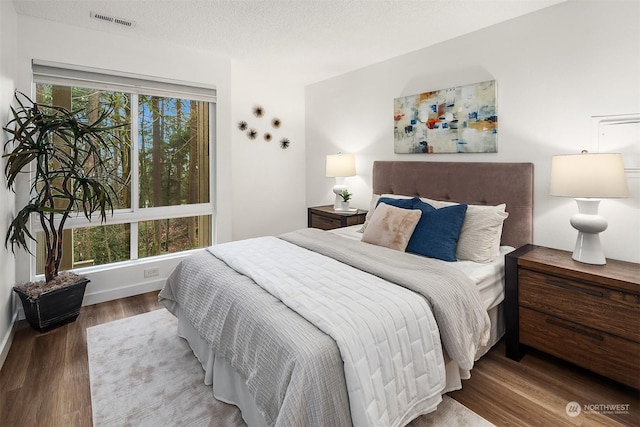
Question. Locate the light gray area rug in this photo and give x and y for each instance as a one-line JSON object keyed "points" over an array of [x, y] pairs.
{"points": [[143, 374]]}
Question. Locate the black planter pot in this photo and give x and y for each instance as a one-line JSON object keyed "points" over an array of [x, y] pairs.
{"points": [[55, 308]]}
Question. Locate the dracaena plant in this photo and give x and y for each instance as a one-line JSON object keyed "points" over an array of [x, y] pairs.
{"points": [[67, 158]]}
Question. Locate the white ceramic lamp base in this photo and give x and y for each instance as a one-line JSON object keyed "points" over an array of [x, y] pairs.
{"points": [[589, 224], [338, 202]]}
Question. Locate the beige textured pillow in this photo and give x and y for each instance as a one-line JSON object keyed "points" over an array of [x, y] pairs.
{"points": [[481, 231], [391, 227], [374, 203]]}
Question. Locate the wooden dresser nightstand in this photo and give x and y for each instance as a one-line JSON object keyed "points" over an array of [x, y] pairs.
{"points": [[586, 314], [326, 218]]}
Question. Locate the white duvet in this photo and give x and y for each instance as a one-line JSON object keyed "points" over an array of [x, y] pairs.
{"points": [[387, 335]]}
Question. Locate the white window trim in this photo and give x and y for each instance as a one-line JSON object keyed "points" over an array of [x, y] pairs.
{"points": [[125, 216], [135, 190]]}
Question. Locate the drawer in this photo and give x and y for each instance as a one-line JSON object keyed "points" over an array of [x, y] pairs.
{"points": [[609, 310], [324, 223], [608, 355], [354, 220]]}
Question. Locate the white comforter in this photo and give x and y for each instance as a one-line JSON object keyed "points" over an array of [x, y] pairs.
{"points": [[386, 334]]}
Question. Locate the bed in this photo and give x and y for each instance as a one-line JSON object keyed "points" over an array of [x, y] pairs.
{"points": [[322, 328]]}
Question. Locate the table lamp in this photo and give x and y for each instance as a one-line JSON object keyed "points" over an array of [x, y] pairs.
{"points": [[588, 178], [340, 166]]}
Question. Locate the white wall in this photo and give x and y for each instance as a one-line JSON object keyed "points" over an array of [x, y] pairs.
{"points": [[268, 181], [56, 42], [260, 187], [8, 55], [555, 69]]}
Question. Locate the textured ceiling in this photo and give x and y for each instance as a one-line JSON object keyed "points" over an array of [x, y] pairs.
{"points": [[317, 39]]}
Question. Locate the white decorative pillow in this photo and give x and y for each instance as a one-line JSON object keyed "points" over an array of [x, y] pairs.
{"points": [[481, 231], [391, 227], [374, 203]]}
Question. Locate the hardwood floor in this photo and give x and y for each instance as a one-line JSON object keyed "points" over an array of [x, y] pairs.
{"points": [[536, 391], [45, 380]]}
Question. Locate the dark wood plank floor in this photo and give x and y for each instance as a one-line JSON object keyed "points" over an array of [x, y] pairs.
{"points": [[45, 380]]}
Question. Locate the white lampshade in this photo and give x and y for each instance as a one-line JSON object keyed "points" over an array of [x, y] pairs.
{"points": [[588, 178], [599, 175], [341, 165]]}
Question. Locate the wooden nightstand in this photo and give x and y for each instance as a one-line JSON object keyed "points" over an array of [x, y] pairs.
{"points": [[326, 218], [586, 314]]}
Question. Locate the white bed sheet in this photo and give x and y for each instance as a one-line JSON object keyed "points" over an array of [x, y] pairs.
{"points": [[489, 278]]}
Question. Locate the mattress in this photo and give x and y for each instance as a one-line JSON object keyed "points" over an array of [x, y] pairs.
{"points": [[489, 278]]}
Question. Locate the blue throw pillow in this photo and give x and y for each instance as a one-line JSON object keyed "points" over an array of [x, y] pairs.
{"points": [[398, 203], [438, 230]]}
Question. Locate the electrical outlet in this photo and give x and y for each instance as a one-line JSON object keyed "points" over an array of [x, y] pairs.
{"points": [[151, 272]]}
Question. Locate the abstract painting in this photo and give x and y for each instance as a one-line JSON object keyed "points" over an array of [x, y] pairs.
{"points": [[460, 119]]}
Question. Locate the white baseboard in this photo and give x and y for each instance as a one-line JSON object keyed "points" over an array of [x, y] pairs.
{"points": [[123, 292], [127, 278], [111, 294], [5, 345]]}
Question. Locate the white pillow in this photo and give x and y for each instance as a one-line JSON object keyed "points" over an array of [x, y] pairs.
{"points": [[391, 227], [374, 203], [481, 231]]}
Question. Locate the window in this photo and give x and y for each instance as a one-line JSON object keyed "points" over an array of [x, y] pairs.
{"points": [[164, 204]]}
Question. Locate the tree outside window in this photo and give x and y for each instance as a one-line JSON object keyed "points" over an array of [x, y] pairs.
{"points": [[153, 214]]}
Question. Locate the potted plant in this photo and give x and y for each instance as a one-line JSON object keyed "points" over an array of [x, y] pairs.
{"points": [[68, 162], [346, 196]]}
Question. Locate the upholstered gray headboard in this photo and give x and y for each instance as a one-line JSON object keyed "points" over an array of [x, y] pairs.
{"points": [[472, 183]]}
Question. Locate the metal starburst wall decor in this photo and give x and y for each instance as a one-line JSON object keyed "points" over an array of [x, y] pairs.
{"points": [[252, 132]]}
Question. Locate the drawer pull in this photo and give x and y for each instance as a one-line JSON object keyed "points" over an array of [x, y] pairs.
{"points": [[574, 329], [574, 288]]}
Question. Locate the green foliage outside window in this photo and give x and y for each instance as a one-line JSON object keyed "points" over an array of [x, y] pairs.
{"points": [[173, 169]]}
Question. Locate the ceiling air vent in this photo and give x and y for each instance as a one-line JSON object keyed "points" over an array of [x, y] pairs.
{"points": [[113, 19]]}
